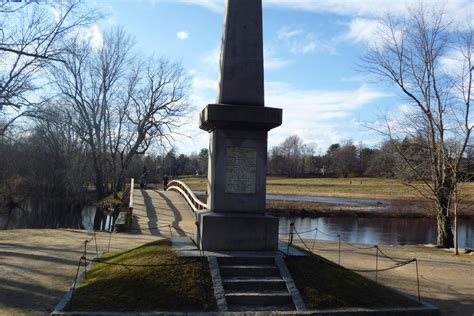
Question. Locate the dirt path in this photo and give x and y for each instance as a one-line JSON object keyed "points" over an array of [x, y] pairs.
{"points": [[446, 281], [37, 266]]}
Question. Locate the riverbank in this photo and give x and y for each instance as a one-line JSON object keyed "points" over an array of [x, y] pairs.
{"points": [[386, 209], [364, 188]]}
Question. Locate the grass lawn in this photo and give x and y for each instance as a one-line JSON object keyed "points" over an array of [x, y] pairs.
{"points": [[178, 286], [323, 285], [373, 188]]}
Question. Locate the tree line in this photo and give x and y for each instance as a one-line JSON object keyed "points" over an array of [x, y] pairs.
{"points": [[293, 158]]}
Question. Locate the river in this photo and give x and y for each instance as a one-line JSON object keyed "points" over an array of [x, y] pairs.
{"points": [[392, 231], [377, 231]]}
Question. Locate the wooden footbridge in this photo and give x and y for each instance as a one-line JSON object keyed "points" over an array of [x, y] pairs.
{"points": [[167, 213]]}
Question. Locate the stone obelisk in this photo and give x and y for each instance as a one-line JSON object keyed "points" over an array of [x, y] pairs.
{"points": [[238, 125]]}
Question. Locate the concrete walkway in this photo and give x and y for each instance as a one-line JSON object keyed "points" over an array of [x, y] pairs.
{"points": [[37, 266]]}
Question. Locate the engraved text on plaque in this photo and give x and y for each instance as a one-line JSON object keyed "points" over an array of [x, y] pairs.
{"points": [[241, 170]]}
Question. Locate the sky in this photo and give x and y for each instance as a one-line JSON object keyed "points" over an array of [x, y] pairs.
{"points": [[311, 50]]}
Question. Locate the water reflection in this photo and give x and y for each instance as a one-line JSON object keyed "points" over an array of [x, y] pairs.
{"points": [[88, 214], [391, 231]]}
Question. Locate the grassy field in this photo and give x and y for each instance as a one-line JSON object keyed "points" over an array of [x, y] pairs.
{"points": [[373, 188], [177, 284]]}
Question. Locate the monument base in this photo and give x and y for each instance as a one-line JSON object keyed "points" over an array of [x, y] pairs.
{"points": [[236, 231]]}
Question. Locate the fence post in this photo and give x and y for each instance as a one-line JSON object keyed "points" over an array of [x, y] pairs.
{"points": [[290, 239], [314, 240], [376, 262], [417, 281], [85, 258], [96, 249], [339, 236]]}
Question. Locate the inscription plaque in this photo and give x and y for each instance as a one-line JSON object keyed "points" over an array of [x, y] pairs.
{"points": [[241, 170]]}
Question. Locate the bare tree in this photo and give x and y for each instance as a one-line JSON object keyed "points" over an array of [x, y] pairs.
{"points": [[153, 109], [32, 35], [412, 54], [120, 104]]}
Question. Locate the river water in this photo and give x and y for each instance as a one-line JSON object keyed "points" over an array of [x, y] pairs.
{"points": [[394, 231], [377, 231]]}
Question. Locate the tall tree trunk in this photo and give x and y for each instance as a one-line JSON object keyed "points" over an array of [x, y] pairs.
{"points": [[99, 187], [445, 235]]}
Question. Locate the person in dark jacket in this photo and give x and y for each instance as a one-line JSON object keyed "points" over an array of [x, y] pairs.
{"points": [[165, 181]]}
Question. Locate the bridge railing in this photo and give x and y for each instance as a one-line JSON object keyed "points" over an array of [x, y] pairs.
{"points": [[125, 216], [187, 193]]}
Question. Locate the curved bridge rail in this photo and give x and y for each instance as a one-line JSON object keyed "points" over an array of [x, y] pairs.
{"points": [[187, 193]]}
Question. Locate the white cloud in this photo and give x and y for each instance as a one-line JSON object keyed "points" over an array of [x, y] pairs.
{"points": [[324, 117], [453, 62], [362, 30], [212, 58], [92, 35], [201, 82], [286, 32], [299, 41], [213, 5], [182, 35], [459, 11], [317, 115], [456, 10], [272, 62]]}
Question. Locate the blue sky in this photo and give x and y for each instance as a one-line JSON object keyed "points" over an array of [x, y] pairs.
{"points": [[311, 51]]}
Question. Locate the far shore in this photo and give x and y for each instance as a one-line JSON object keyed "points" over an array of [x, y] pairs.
{"points": [[394, 198], [393, 209]]}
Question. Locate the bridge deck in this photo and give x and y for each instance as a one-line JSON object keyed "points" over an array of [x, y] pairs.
{"points": [[161, 213]]}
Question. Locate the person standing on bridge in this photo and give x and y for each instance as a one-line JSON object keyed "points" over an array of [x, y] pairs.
{"points": [[144, 178], [165, 182]]}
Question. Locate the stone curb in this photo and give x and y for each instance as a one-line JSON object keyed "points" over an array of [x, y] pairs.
{"points": [[290, 284], [217, 282], [67, 297]]}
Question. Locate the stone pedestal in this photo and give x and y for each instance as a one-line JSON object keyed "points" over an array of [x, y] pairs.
{"points": [[237, 232], [236, 218]]}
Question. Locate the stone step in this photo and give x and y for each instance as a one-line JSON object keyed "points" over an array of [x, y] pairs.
{"points": [[257, 308], [247, 298], [248, 270], [246, 260], [255, 284]]}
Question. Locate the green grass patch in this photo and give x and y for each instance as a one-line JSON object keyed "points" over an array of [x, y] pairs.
{"points": [[324, 285], [177, 286]]}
